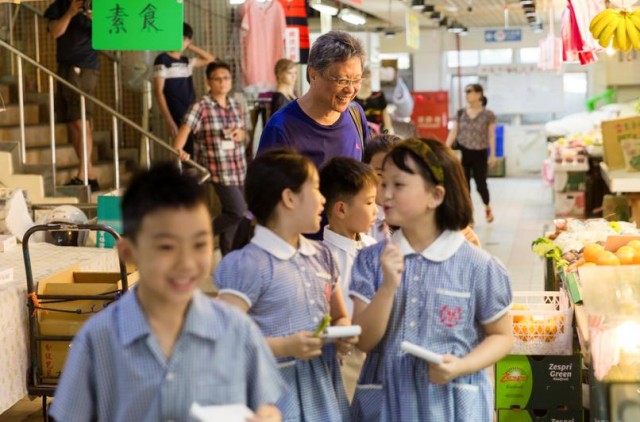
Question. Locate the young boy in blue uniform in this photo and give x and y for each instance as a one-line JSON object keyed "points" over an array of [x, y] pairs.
{"points": [[164, 345]]}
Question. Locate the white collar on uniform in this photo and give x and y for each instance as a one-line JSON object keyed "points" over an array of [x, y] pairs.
{"points": [[441, 249], [276, 246], [348, 245]]}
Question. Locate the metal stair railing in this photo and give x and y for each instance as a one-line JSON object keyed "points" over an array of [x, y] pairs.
{"points": [[116, 117]]}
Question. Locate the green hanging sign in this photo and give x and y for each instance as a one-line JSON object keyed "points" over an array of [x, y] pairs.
{"points": [[138, 25]]}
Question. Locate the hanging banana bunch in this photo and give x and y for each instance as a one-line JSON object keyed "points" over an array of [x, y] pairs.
{"points": [[621, 26]]}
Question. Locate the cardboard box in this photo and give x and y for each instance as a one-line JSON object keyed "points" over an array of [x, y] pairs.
{"points": [[614, 132], [542, 415], [569, 181], [499, 169], [539, 382], [570, 204], [53, 353]]}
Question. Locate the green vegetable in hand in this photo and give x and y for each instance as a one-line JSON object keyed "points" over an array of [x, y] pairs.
{"points": [[322, 326]]}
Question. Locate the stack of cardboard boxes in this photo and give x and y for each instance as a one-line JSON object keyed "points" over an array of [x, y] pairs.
{"points": [[569, 182], [64, 318]]}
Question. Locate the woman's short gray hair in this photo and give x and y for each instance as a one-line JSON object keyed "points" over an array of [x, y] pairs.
{"points": [[332, 47]]}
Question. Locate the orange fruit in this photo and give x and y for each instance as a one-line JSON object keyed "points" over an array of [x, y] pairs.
{"points": [[550, 329], [592, 252], [518, 307], [635, 244], [636, 258], [625, 254], [607, 258]]}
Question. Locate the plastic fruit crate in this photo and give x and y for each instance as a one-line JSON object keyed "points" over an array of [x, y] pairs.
{"points": [[542, 323]]}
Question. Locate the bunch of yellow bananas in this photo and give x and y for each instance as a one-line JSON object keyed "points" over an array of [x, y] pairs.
{"points": [[620, 25]]}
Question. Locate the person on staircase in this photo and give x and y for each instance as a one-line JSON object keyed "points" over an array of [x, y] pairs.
{"points": [[173, 81], [78, 64]]}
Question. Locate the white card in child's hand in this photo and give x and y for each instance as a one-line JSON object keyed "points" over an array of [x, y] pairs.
{"points": [[421, 352], [226, 413], [338, 331]]}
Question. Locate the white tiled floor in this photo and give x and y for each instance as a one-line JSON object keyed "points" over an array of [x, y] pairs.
{"points": [[522, 207]]}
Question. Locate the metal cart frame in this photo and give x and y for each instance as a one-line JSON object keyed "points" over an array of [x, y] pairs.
{"points": [[35, 386]]}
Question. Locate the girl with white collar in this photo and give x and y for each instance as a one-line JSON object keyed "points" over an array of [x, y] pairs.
{"points": [[289, 284], [430, 287]]}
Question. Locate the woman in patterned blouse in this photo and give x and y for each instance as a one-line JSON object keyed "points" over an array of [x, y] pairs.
{"points": [[474, 132]]}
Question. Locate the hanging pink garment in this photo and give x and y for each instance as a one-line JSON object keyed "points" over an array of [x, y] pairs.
{"points": [[578, 43]]}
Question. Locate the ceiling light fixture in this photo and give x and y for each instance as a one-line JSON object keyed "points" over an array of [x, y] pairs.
{"points": [[417, 5], [236, 2], [352, 17], [455, 27], [527, 2], [429, 8], [322, 7]]}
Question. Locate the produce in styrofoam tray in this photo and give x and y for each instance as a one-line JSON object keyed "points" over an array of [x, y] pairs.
{"points": [[541, 323], [581, 242]]}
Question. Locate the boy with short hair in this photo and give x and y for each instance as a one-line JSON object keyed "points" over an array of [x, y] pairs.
{"points": [[164, 345], [349, 188], [173, 82], [218, 122]]}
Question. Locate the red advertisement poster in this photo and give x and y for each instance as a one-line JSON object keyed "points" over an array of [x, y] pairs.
{"points": [[431, 114]]}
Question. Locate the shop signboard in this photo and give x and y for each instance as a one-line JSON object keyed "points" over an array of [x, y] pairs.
{"points": [[138, 25], [431, 114], [413, 30], [621, 142], [292, 44], [502, 35]]}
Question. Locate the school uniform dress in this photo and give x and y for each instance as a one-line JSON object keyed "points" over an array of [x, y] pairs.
{"points": [[116, 370], [448, 291], [288, 291]]}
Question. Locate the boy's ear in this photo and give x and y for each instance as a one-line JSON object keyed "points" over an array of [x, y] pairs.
{"points": [[339, 210], [126, 250]]}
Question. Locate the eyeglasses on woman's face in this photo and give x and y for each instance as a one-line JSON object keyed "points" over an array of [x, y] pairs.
{"points": [[342, 82]]}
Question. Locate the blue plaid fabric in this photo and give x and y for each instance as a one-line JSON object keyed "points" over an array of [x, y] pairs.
{"points": [[116, 370], [288, 291], [447, 292]]}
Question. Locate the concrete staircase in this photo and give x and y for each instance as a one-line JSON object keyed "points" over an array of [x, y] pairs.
{"points": [[38, 150]]}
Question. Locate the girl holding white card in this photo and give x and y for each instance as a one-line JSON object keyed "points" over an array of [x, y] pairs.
{"points": [[430, 287], [288, 284]]}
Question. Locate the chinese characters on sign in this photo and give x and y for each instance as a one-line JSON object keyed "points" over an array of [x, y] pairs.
{"points": [[292, 44], [138, 25], [431, 114]]}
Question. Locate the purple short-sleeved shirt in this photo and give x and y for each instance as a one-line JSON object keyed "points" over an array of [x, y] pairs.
{"points": [[291, 127]]}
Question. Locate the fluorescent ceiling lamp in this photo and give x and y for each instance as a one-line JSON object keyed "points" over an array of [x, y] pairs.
{"points": [[455, 27], [352, 17], [236, 2], [525, 2], [322, 7]]}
